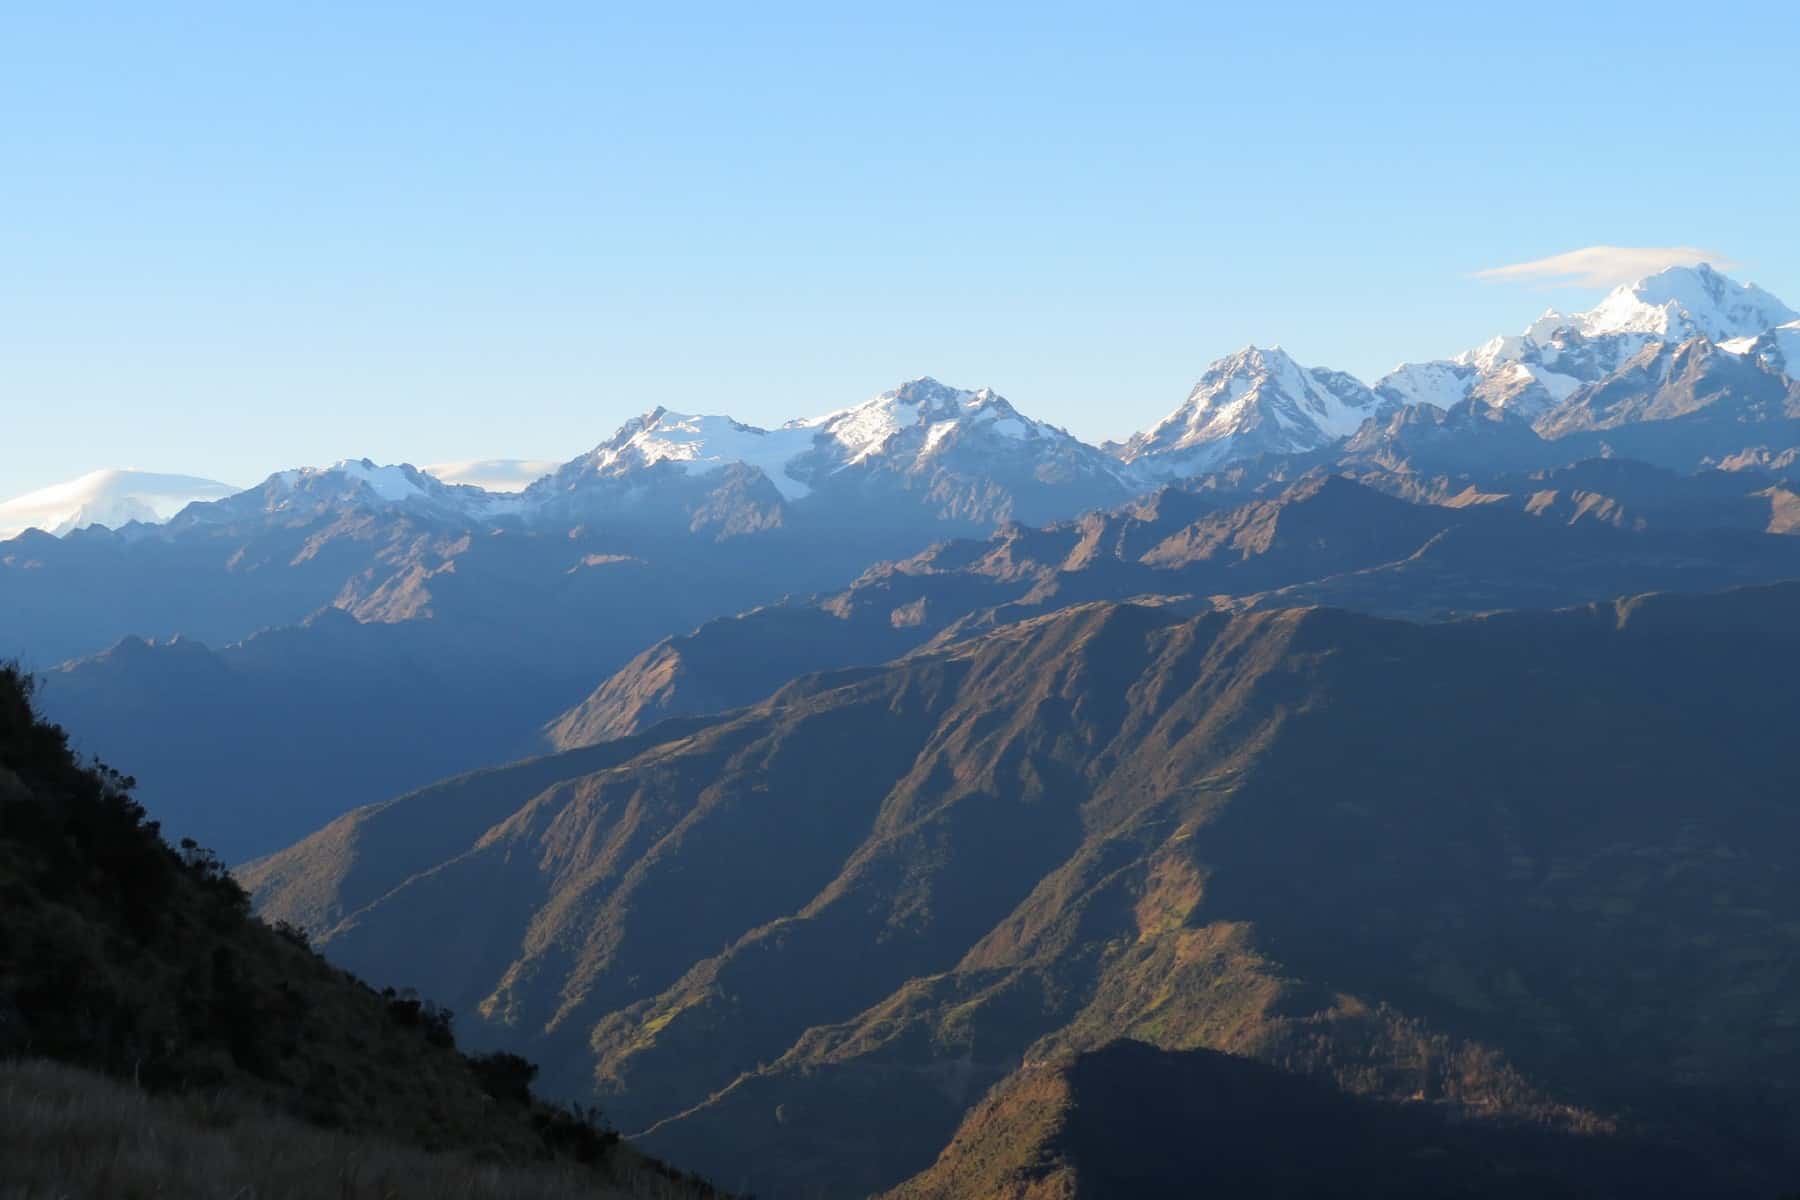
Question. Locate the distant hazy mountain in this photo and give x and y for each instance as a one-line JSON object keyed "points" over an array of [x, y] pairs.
{"points": [[110, 497], [801, 941], [257, 743]]}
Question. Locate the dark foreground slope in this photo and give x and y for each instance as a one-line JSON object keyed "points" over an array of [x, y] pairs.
{"points": [[68, 1133], [122, 956], [1530, 870]]}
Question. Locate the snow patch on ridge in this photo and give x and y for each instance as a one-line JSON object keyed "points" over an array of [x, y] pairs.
{"points": [[704, 443], [1443, 384], [394, 484]]}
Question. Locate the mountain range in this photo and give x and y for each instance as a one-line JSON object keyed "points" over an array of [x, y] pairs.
{"points": [[384, 614], [1335, 788], [972, 456], [1525, 874], [420, 626], [107, 497], [1558, 354], [1547, 539]]}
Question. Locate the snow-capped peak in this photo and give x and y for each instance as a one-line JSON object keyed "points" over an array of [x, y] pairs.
{"points": [[1532, 371], [898, 429], [1256, 401], [1685, 302], [358, 483], [394, 483], [700, 444], [110, 497], [862, 431]]}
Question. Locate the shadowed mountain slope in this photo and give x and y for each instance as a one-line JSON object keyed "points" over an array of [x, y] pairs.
{"points": [[1131, 1120], [264, 741], [1555, 538], [332, 637], [121, 955], [1682, 405], [429, 649], [1532, 868]]}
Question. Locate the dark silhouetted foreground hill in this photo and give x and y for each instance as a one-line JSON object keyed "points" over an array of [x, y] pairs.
{"points": [[1536, 870], [122, 956]]}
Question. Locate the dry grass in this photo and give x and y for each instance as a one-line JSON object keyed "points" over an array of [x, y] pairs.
{"points": [[69, 1134]]}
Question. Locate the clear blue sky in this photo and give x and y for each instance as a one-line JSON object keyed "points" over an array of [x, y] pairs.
{"points": [[235, 238]]}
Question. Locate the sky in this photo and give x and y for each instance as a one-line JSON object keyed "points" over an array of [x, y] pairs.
{"points": [[239, 238]]}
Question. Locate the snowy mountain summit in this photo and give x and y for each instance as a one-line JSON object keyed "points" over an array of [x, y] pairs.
{"points": [[1256, 401], [960, 455], [696, 444], [957, 439], [923, 424], [1686, 302], [111, 497], [913, 422], [1533, 371], [348, 485]]}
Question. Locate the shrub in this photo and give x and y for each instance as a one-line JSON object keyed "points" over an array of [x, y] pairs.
{"points": [[576, 1131], [407, 1010], [211, 873], [503, 1076]]}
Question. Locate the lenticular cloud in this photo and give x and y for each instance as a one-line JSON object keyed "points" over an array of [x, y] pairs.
{"points": [[1603, 266]]}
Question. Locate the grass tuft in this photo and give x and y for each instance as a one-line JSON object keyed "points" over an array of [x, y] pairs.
{"points": [[69, 1134]]}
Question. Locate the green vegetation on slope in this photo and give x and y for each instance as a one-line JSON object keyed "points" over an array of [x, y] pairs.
{"points": [[125, 956]]}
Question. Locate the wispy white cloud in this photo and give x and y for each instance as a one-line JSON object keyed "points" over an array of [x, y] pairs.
{"points": [[1603, 266]]}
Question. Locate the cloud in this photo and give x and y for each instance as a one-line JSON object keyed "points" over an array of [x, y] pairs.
{"points": [[1603, 266]]}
